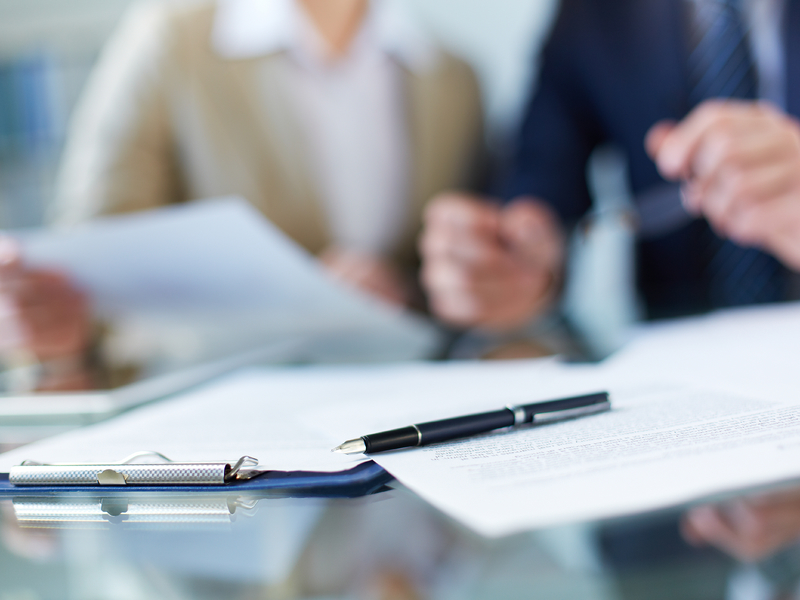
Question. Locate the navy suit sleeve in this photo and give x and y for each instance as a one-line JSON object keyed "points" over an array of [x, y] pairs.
{"points": [[559, 131]]}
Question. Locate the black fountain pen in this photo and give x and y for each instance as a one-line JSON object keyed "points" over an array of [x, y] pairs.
{"points": [[459, 427]]}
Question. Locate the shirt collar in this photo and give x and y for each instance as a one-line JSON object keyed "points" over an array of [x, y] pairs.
{"points": [[251, 28]]}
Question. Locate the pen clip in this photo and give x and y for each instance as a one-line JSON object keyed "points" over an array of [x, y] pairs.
{"points": [[571, 413]]}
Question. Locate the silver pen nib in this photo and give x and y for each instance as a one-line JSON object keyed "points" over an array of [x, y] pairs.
{"points": [[356, 446]]}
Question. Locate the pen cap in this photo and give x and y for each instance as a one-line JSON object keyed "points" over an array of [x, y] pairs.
{"points": [[563, 404]]}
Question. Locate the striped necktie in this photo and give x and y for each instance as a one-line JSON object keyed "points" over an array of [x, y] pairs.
{"points": [[720, 66]]}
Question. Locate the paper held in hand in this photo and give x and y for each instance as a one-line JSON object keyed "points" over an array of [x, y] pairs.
{"points": [[206, 279]]}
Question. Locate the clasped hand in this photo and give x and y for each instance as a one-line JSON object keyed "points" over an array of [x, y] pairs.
{"points": [[488, 266], [496, 268]]}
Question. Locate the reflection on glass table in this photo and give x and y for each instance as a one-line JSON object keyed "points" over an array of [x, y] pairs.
{"points": [[132, 513], [389, 544]]}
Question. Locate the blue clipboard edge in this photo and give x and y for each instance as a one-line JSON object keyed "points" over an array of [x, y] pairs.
{"points": [[361, 480]]}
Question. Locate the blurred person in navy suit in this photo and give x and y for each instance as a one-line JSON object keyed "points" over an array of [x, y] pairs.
{"points": [[702, 96], [618, 72], [337, 119]]}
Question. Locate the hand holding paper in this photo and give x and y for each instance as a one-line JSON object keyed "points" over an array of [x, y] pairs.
{"points": [[371, 274], [43, 318], [197, 282]]}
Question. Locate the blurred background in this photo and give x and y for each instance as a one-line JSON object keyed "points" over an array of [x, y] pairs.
{"points": [[48, 47]]}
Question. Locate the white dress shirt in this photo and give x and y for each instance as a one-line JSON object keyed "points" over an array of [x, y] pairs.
{"points": [[351, 108], [765, 18]]}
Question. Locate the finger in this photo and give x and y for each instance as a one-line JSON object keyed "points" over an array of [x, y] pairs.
{"points": [[456, 295], [739, 147], [678, 147], [739, 530], [10, 261], [691, 199], [379, 280], [788, 496], [750, 155], [505, 298], [456, 309], [776, 512], [347, 265], [10, 252], [51, 300], [690, 533], [58, 334], [463, 212], [53, 315], [762, 531], [757, 226], [386, 288], [533, 233], [738, 192], [12, 333], [655, 138], [728, 158], [489, 280], [466, 311], [36, 288], [490, 266], [366, 272], [771, 225], [48, 313], [478, 253], [487, 287], [708, 524], [344, 267], [442, 278]]}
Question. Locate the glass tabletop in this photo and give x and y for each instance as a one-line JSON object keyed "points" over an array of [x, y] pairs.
{"points": [[389, 544]]}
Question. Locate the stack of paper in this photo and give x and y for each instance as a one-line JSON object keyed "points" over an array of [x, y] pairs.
{"points": [[676, 434]]}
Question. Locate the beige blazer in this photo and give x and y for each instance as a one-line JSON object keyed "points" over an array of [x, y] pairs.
{"points": [[166, 119]]}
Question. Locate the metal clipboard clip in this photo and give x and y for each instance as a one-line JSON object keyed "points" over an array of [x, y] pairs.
{"points": [[126, 472]]}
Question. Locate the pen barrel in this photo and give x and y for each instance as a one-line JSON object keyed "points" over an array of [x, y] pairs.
{"points": [[469, 425], [405, 437], [458, 427]]}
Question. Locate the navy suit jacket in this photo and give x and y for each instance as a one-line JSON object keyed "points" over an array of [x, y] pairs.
{"points": [[612, 69]]}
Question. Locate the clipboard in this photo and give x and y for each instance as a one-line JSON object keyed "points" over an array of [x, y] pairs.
{"points": [[242, 476], [71, 409]]}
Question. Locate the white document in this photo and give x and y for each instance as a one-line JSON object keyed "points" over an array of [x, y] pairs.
{"points": [[31, 417], [660, 446], [663, 444], [656, 449], [215, 277], [269, 413], [251, 413], [749, 351]]}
